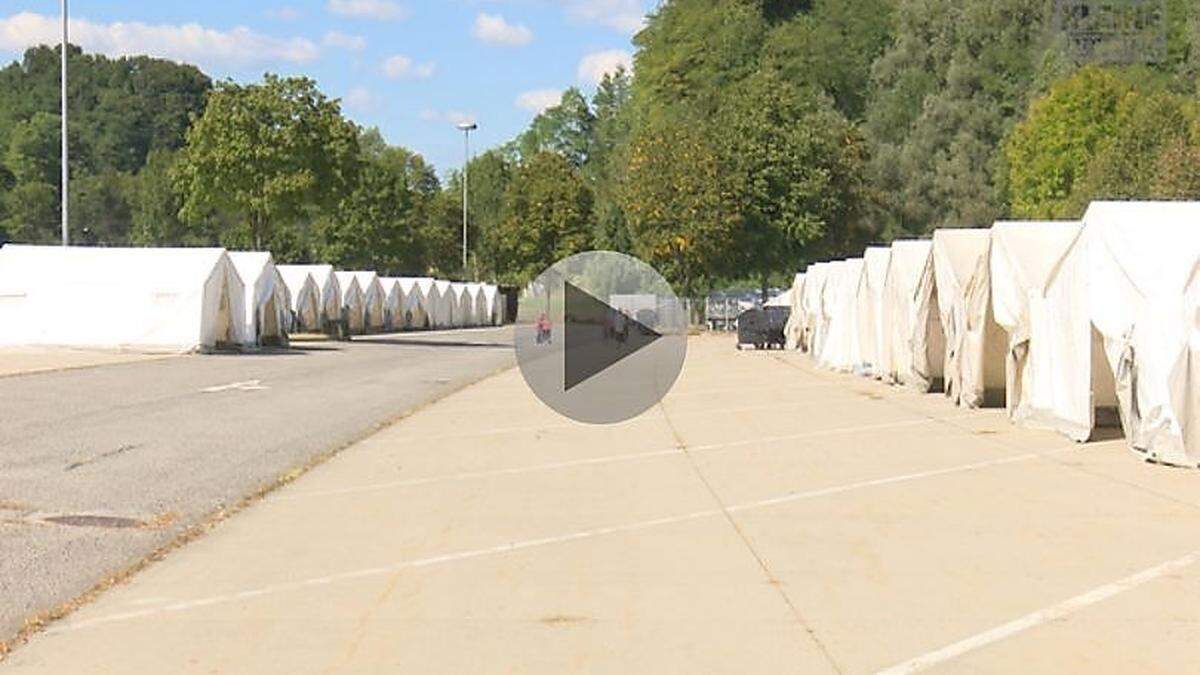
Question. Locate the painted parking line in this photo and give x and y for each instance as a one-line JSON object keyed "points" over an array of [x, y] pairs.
{"points": [[1040, 617], [528, 544], [597, 461]]}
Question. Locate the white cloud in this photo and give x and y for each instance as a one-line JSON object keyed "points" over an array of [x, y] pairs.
{"points": [[380, 10], [361, 98], [454, 117], [284, 14], [626, 16], [400, 67], [190, 42], [495, 30], [595, 66], [538, 100], [353, 43]]}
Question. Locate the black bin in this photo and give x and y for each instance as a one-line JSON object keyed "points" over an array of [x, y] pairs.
{"points": [[763, 328]]}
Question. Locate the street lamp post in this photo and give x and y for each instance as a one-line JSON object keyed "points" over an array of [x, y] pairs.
{"points": [[466, 128], [66, 170]]}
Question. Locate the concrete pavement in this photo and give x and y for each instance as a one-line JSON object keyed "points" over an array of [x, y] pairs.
{"points": [[102, 466], [767, 517], [29, 360]]}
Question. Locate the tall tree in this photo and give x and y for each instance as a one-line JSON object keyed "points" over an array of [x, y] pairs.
{"points": [[272, 153], [547, 216]]}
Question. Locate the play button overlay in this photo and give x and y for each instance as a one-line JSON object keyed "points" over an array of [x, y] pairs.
{"points": [[600, 337]]}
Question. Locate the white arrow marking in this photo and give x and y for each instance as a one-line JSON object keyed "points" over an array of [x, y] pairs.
{"points": [[248, 385]]}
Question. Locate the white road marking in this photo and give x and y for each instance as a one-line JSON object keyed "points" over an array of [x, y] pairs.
{"points": [[527, 544], [595, 461], [1041, 616], [248, 385]]}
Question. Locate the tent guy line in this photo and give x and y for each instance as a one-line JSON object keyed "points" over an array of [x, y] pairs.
{"points": [[527, 544]]}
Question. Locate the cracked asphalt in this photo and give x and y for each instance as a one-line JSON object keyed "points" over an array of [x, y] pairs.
{"points": [[146, 450]]}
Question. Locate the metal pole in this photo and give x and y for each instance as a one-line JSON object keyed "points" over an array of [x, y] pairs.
{"points": [[466, 172], [66, 170]]}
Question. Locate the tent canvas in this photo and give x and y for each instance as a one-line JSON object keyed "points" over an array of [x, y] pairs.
{"points": [[914, 344], [305, 296], [1133, 277], [331, 290], [417, 302], [267, 301], [446, 306], [354, 305], [495, 305], [393, 303], [161, 299], [869, 302], [1023, 256], [461, 316], [973, 369], [479, 304], [374, 301], [839, 349], [793, 332], [810, 302]]}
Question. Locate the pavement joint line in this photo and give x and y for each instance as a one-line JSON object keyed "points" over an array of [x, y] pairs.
{"points": [[1040, 617], [761, 561], [527, 544], [592, 461], [629, 423]]}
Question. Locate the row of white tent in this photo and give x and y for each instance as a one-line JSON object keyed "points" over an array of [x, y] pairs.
{"points": [[1058, 321], [202, 298]]}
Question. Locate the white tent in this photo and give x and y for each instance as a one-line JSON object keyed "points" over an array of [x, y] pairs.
{"points": [[137, 298], [914, 345], [479, 304], [973, 370], [374, 301], [1132, 277], [306, 299], [417, 299], [331, 290], [393, 303], [1023, 256], [869, 303], [793, 332], [354, 303], [462, 314], [810, 303], [495, 305], [445, 304], [839, 348], [784, 299], [268, 303]]}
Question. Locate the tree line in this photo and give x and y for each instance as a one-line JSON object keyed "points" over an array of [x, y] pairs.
{"points": [[751, 138]]}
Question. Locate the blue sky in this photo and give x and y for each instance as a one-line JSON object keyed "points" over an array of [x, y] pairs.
{"points": [[411, 67]]}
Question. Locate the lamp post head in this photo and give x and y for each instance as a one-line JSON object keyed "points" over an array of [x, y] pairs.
{"points": [[467, 126]]}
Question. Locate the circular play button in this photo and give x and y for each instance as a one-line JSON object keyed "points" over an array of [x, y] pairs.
{"points": [[600, 337]]}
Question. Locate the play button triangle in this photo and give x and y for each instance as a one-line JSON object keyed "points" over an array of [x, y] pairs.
{"points": [[597, 336]]}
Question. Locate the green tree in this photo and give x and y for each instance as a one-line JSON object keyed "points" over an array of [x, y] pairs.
{"points": [[566, 128], [680, 210], [606, 167], [547, 216], [793, 166], [1053, 147], [271, 153]]}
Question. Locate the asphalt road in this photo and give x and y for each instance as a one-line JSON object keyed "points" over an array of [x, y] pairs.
{"points": [[168, 443]]}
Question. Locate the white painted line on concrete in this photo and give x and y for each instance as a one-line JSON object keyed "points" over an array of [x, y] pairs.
{"points": [[248, 385], [595, 461], [524, 545], [1040, 617]]}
